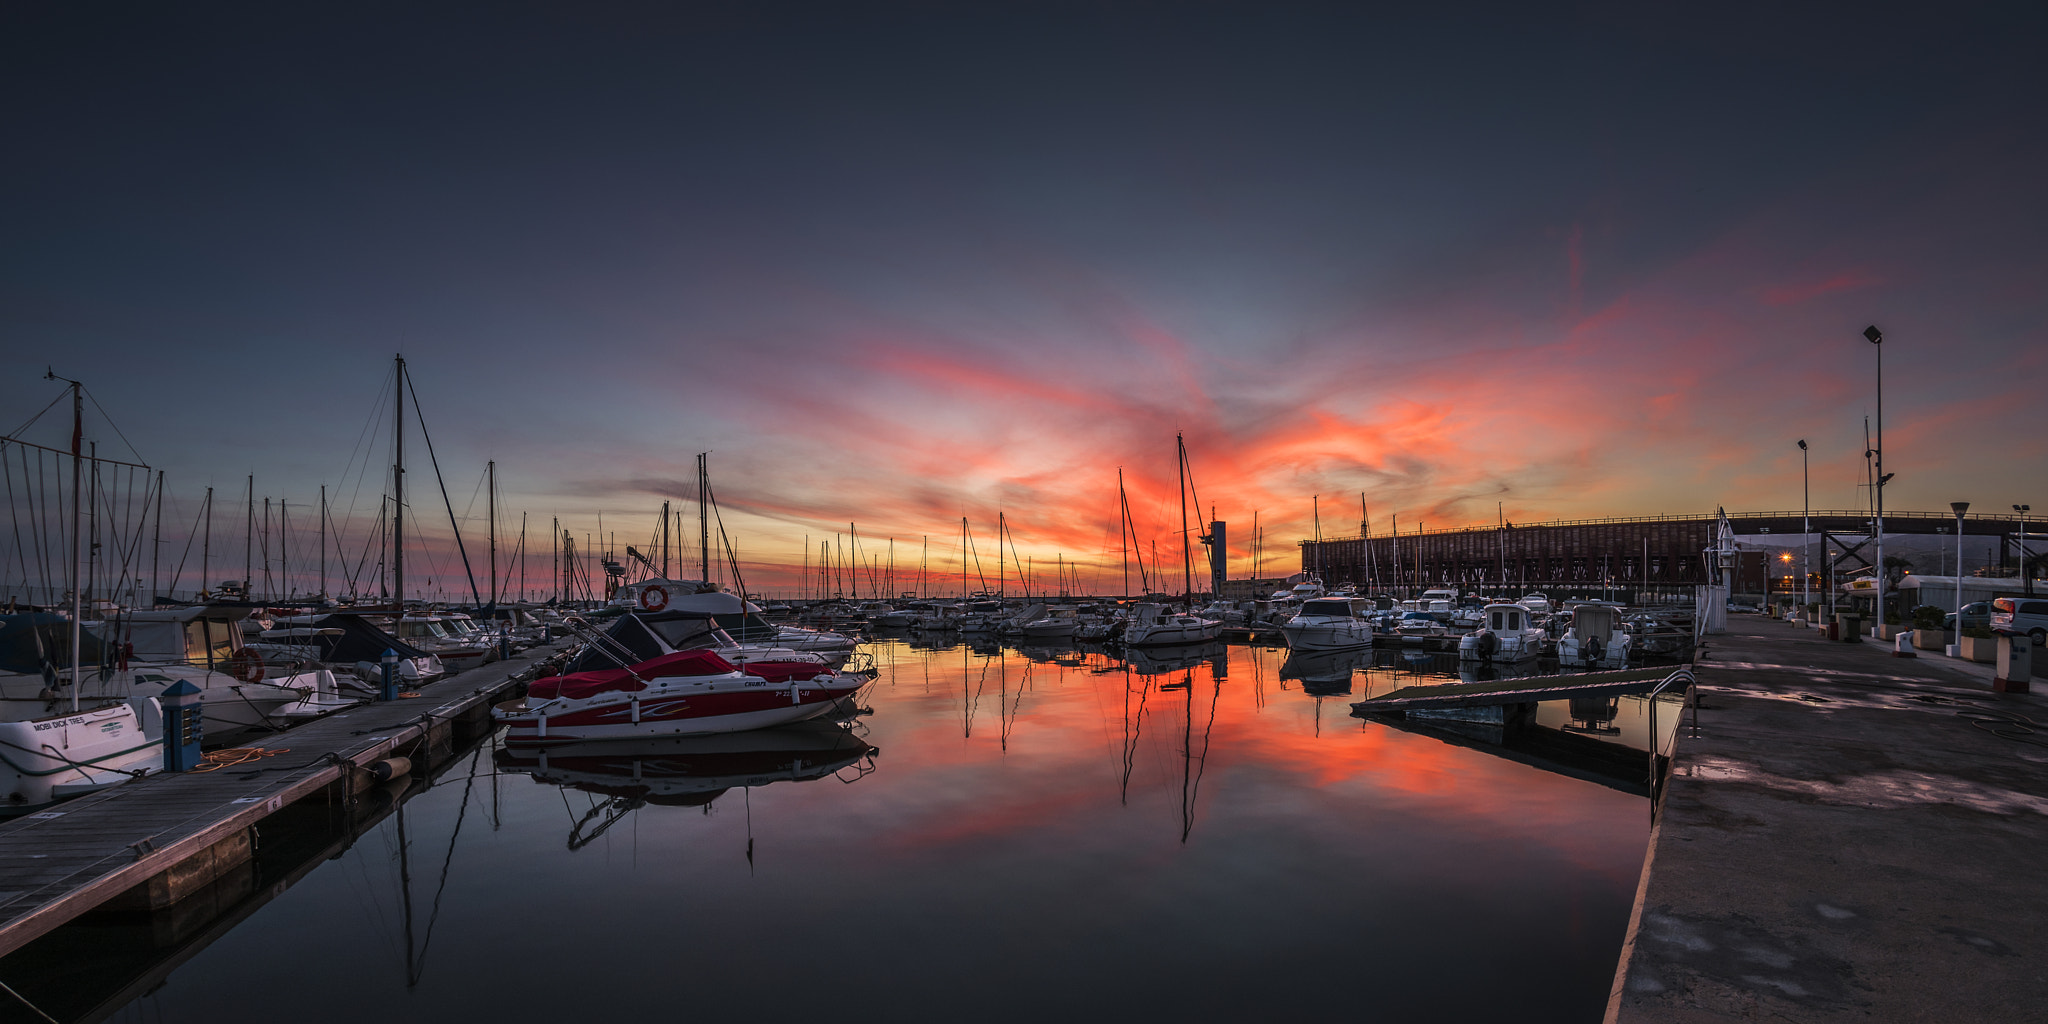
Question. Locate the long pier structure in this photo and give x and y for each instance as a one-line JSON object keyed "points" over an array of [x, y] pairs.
{"points": [[1842, 835], [150, 842]]}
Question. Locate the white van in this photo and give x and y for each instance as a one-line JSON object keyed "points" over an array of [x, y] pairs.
{"points": [[2021, 615]]}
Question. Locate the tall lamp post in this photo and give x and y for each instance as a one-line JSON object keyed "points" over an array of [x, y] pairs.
{"points": [[1956, 649], [1876, 337], [1806, 536], [2026, 580]]}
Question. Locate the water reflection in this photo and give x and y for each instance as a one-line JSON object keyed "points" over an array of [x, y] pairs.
{"points": [[688, 771], [1056, 831]]}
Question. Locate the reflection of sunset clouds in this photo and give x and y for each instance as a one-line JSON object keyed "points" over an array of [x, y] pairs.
{"points": [[1062, 769]]}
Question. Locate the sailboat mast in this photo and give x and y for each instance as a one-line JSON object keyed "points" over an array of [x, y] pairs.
{"points": [[77, 587], [1187, 564], [249, 542], [1123, 531], [206, 545], [398, 482], [157, 544], [323, 540], [491, 512], [703, 515]]}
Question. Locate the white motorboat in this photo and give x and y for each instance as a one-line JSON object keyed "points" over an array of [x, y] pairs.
{"points": [[1509, 635], [203, 646], [1598, 638], [1537, 602], [49, 750], [1058, 624], [430, 633], [688, 693], [1155, 625], [1327, 624]]}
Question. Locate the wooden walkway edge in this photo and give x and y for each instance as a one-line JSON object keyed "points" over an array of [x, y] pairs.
{"points": [[1527, 689], [65, 861]]}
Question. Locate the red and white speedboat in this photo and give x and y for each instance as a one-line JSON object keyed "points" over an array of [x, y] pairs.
{"points": [[687, 693]]}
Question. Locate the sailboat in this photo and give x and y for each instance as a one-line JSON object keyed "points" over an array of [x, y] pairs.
{"points": [[1158, 625], [48, 752]]}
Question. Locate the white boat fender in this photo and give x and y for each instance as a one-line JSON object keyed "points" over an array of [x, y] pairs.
{"points": [[389, 768]]}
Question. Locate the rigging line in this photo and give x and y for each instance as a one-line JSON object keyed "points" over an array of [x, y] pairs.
{"points": [[117, 427], [16, 435], [421, 417], [14, 515], [189, 537], [362, 473], [434, 914]]}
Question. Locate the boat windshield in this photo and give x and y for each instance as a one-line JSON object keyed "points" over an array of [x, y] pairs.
{"points": [[414, 629], [1326, 608]]}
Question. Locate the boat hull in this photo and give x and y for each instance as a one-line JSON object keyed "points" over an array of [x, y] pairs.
{"points": [[1327, 635]]}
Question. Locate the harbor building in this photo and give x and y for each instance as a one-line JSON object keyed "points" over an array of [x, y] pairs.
{"points": [[1651, 552]]}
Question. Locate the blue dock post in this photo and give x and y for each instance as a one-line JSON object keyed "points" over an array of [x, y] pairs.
{"points": [[390, 675], [184, 724]]}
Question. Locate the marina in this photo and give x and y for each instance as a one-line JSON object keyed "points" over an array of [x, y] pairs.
{"points": [[919, 512]]}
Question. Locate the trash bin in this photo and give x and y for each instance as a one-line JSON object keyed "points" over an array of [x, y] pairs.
{"points": [[1851, 626], [2015, 664]]}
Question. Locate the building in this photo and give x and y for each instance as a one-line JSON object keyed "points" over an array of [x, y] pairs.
{"points": [[1669, 551]]}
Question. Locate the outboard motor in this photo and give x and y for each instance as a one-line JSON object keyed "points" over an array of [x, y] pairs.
{"points": [[1593, 648]]}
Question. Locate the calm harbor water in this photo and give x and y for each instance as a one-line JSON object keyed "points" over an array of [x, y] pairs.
{"points": [[1010, 835]]}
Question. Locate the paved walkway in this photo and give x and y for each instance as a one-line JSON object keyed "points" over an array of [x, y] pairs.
{"points": [[1844, 837]]}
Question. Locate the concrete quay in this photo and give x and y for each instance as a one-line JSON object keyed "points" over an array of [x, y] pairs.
{"points": [[1844, 835]]}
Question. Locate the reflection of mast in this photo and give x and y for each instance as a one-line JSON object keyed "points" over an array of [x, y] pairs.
{"points": [[1132, 727], [1191, 771]]}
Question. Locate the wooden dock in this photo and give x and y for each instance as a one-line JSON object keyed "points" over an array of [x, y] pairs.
{"points": [[150, 841], [1526, 690]]}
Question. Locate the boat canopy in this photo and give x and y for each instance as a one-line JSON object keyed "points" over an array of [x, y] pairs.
{"points": [[33, 640], [649, 635], [359, 639]]}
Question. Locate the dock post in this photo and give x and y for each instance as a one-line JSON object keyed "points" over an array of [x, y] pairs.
{"points": [[390, 691], [184, 725]]}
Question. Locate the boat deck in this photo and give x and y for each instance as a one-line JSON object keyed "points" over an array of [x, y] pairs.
{"points": [[62, 862]]}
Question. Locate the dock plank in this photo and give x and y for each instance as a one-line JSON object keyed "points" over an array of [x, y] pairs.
{"points": [[58, 864]]}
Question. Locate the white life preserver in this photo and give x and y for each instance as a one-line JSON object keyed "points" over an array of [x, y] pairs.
{"points": [[654, 599]]}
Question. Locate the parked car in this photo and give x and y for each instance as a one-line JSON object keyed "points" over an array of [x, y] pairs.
{"points": [[2021, 615], [1976, 615]]}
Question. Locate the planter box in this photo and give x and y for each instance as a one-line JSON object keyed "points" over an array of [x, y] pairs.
{"points": [[1982, 650], [1886, 632], [1930, 639]]}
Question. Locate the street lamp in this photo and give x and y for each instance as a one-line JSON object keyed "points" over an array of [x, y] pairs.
{"points": [[2026, 581], [1956, 649], [1876, 337], [1806, 536]]}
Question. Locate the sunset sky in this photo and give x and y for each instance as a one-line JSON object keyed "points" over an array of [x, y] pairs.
{"points": [[896, 264]]}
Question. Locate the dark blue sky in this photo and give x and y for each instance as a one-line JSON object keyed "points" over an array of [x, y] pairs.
{"points": [[897, 263]]}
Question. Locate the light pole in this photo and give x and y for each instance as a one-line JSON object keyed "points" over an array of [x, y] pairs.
{"points": [[2026, 581], [1806, 537], [1876, 337], [1956, 649]]}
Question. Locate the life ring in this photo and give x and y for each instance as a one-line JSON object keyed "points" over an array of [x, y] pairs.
{"points": [[244, 665], [654, 599]]}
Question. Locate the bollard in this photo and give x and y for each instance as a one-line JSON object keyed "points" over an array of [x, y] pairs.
{"points": [[505, 641], [1902, 645], [390, 675], [184, 725], [2015, 664]]}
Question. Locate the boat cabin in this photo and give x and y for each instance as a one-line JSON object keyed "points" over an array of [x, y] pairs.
{"points": [[185, 636], [1337, 609], [1507, 618]]}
